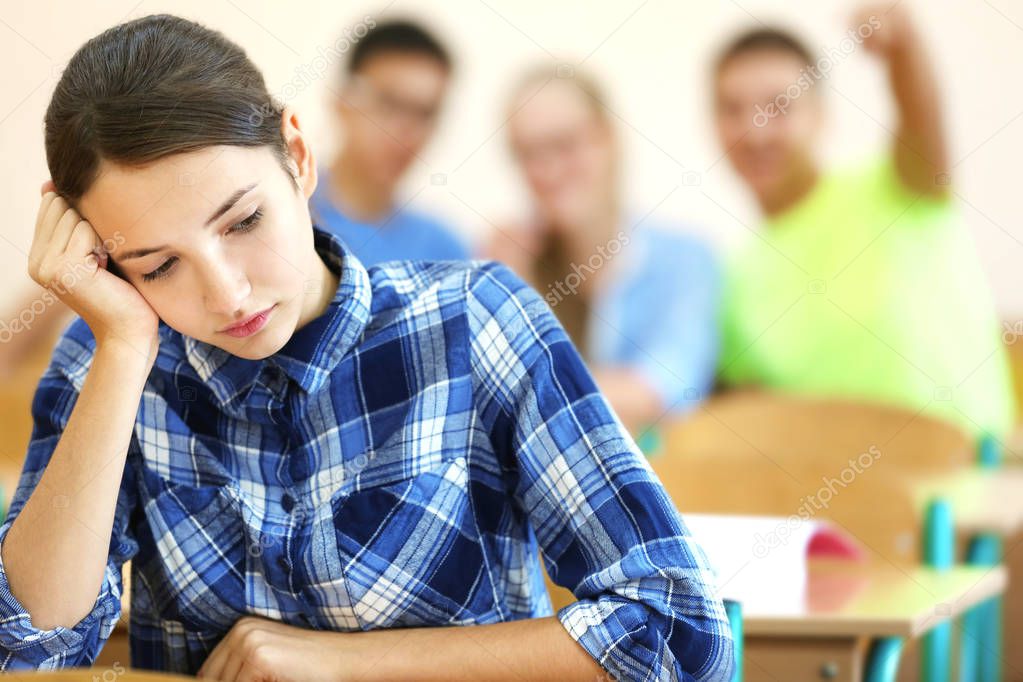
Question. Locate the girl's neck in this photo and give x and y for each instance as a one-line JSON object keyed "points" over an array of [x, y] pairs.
{"points": [[318, 298]]}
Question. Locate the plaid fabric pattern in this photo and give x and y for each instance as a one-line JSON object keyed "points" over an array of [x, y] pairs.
{"points": [[398, 463]]}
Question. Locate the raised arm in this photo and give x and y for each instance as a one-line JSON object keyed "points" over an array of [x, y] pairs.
{"points": [[921, 148]]}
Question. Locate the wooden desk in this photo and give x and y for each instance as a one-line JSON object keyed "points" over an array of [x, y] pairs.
{"points": [[850, 599], [91, 675], [847, 606], [983, 500]]}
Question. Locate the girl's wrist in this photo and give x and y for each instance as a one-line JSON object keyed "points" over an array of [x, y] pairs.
{"points": [[127, 351]]}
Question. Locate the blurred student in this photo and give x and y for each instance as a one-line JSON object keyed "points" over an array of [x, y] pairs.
{"points": [[638, 298], [864, 282], [387, 108]]}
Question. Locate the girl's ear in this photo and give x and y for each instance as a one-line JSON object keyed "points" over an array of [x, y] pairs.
{"points": [[302, 160]]}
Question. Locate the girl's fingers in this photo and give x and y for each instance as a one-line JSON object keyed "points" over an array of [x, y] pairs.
{"points": [[83, 241], [48, 186], [54, 212], [214, 663], [44, 203], [62, 232], [42, 227], [231, 669], [38, 248], [43, 253], [248, 673]]}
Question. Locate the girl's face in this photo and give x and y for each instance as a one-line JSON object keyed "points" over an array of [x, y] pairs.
{"points": [[214, 237], [566, 153]]}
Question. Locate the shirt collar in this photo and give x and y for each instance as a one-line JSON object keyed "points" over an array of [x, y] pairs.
{"points": [[314, 351]]}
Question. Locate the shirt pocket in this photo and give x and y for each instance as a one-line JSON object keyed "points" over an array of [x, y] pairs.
{"points": [[410, 550], [194, 571]]}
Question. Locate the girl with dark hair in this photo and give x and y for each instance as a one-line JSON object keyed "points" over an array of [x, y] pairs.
{"points": [[311, 465]]}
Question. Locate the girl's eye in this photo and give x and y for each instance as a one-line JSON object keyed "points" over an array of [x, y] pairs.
{"points": [[241, 226], [248, 223], [160, 271]]}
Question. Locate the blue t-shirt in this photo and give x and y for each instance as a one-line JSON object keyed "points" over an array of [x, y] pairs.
{"points": [[658, 314], [403, 235]]}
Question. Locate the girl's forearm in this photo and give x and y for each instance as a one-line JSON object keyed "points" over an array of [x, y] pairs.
{"points": [[55, 554], [537, 649]]}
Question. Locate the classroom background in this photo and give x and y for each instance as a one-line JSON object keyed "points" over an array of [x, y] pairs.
{"points": [[654, 59]]}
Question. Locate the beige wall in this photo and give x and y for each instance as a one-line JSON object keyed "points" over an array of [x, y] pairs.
{"points": [[651, 55]]}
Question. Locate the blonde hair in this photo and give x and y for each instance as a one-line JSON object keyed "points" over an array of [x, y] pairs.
{"points": [[552, 263]]}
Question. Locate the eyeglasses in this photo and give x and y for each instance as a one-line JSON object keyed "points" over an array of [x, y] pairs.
{"points": [[391, 108]]}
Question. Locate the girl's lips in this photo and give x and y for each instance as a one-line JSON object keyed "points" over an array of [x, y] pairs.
{"points": [[251, 325]]}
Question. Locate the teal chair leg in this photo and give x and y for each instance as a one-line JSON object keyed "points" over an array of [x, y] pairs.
{"points": [[939, 553], [989, 451], [883, 660], [936, 649], [991, 649], [734, 611], [971, 637], [981, 641], [985, 619]]}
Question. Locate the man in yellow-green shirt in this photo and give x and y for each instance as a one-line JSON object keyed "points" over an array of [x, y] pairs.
{"points": [[864, 282]]}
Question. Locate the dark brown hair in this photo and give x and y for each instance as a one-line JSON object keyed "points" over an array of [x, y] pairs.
{"points": [[760, 39], [150, 88], [400, 36]]}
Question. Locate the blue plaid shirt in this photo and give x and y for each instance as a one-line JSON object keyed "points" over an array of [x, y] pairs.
{"points": [[396, 464]]}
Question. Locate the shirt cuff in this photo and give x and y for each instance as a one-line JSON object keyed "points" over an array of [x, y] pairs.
{"points": [[24, 646]]}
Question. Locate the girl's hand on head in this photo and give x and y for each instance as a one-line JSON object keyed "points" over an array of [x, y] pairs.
{"points": [[68, 258]]}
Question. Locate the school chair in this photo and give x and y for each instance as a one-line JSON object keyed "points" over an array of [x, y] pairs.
{"points": [[783, 449], [980, 643]]}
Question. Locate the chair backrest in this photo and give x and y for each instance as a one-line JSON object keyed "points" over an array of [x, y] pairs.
{"points": [[808, 431], [850, 463]]}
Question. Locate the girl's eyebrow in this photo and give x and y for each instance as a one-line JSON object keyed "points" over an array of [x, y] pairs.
{"points": [[229, 202], [224, 208]]}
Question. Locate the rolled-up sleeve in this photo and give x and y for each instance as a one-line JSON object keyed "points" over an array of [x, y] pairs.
{"points": [[607, 528], [22, 645]]}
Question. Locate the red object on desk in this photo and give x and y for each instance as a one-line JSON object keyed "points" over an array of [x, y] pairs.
{"points": [[830, 542]]}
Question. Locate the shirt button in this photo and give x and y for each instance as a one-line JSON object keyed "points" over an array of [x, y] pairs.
{"points": [[287, 502]]}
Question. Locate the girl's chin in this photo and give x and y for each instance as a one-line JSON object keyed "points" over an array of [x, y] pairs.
{"points": [[258, 346]]}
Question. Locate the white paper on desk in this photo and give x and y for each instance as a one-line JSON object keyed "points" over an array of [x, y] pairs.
{"points": [[761, 561]]}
